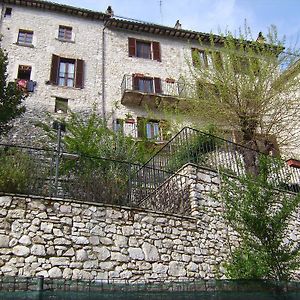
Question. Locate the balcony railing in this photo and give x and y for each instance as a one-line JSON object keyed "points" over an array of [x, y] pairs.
{"points": [[170, 92]]}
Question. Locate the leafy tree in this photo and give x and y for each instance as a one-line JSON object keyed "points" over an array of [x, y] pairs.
{"points": [[90, 136], [11, 97], [250, 86], [261, 215]]}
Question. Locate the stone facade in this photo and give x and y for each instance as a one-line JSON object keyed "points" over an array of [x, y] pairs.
{"points": [[105, 52]]}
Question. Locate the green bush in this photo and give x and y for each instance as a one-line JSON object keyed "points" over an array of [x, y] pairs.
{"points": [[18, 172]]}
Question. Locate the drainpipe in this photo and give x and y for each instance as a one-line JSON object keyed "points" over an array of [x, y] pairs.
{"points": [[103, 73]]}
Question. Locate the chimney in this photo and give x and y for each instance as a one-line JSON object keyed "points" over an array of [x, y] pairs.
{"points": [[177, 25], [109, 11]]}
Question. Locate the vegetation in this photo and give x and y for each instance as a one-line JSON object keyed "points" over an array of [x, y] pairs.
{"points": [[194, 149], [16, 172], [261, 215], [11, 97], [250, 86]]}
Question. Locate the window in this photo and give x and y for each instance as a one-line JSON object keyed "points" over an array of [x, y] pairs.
{"points": [[144, 49], [146, 84], [8, 11], [149, 129], [205, 59], [23, 79], [67, 72], [61, 105], [24, 72], [65, 33], [25, 37]]}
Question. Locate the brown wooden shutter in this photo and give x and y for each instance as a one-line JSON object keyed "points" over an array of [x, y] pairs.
{"points": [[156, 51], [79, 73], [157, 85], [131, 47], [135, 82], [54, 69]]}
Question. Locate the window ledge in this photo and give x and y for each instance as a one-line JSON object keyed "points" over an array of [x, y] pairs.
{"points": [[24, 45], [65, 41], [148, 59], [47, 82]]}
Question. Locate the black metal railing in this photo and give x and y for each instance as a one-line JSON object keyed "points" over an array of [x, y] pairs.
{"points": [[203, 149], [33, 171], [168, 87]]}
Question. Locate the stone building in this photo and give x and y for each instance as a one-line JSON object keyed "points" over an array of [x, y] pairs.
{"points": [[72, 59]]}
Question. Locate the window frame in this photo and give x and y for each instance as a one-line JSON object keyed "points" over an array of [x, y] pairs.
{"points": [[154, 53], [24, 41], [78, 80], [67, 35], [61, 103], [67, 66]]}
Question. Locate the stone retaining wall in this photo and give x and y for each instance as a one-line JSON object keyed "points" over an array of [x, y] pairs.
{"points": [[75, 240]]}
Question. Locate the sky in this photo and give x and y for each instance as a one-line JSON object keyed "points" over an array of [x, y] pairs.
{"points": [[209, 15]]}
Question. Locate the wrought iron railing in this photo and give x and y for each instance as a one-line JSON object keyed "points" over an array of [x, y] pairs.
{"points": [[203, 149], [168, 87], [33, 171]]}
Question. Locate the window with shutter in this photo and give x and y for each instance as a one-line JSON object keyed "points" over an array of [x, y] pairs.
{"points": [[144, 49], [67, 72]]}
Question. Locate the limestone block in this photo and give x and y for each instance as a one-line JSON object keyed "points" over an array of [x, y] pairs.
{"points": [[5, 201], [125, 274], [119, 257], [109, 265], [136, 253], [150, 252], [46, 227], [65, 209], [192, 267], [59, 261], [160, 268], [80, 240], [4, 241], [67, 273], [21, 250], [81, 255], [69, 252], [38, 250], [55, 272], [128, 230], [102, 253], [120, 240], [105, 241], [176, 269], [24, 240], [90, 264]]}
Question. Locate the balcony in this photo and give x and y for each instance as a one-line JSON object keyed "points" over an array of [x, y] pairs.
{"points": [[152, 92]]}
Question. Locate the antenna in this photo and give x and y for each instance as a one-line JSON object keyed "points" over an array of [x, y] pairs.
{"points": [[160, 10]]}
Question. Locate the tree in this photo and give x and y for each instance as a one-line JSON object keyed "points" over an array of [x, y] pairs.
{"points": [[262, 216], [11, 97], [248, 86]]}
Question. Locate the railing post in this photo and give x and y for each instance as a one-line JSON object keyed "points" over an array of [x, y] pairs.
{"points": [[57, 161], [129, 184]]}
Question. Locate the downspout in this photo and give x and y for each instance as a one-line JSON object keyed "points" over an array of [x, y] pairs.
{"points": [[103, 72]]}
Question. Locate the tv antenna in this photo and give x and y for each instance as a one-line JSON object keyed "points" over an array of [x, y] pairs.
{"points": [[160, 10]]}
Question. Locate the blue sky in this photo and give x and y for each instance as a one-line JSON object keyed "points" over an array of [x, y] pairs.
{"points": [[208, 15]]}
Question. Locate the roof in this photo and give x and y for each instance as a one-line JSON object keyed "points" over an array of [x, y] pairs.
{"points": [[55, 7], [114, 22]]}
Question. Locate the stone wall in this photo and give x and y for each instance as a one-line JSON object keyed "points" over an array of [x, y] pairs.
{"points": [[75, 240]]}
